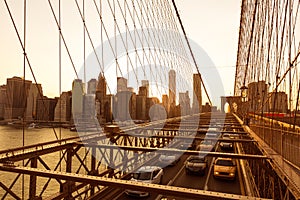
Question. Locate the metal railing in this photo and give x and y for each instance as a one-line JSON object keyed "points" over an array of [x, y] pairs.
{"points": [[281, 137]]}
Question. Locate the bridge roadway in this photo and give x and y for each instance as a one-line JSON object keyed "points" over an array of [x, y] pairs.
{"points": [[176, 176]]}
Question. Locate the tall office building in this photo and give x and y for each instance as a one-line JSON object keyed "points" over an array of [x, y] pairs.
{"points": [[62, 110], [92, 86], [197, 94], [2, 100], [77, 99], [45, 108], [165, 102], [141, 104], [122, 103], [16, 93], [121, 84], [35, 93], [104, 102], [172, 93], [145, 83], [89, 106], [143, 91], [184, 102]]}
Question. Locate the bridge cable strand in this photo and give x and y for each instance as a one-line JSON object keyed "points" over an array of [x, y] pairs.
{"points": [[191, 52], [268, 52], [24, 89]]}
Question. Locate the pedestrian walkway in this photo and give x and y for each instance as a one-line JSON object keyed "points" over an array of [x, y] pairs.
{"points": [[290, 174]]}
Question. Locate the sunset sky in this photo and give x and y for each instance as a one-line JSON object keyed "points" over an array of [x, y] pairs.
{"points": [[212, 24]]}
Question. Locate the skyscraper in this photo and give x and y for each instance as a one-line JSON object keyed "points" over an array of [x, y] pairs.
{"points": [[45, 108], [104, 102], [77, 99], [165, 102], [62, 110], [184, 102], [197, 94], [92, 86], [121, 84], [145, 83], [172, 92], [35, 93], [2, 100], [16, 93]]}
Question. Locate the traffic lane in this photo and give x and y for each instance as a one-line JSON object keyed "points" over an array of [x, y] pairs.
{"points": [[194, 181], [208, 182], [170, 172], [223, 185]]}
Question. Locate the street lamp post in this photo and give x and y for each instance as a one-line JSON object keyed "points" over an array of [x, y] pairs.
{"points": [[244, 99]]}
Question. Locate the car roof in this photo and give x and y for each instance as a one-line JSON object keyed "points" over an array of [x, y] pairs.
{"points": [[226, 135], [195, 157], [220, 158], [210, 134], [148, 168]]}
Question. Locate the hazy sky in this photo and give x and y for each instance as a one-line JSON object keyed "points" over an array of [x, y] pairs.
{"points": [[212, 24]]}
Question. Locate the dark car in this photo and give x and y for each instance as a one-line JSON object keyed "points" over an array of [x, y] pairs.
{"points": [[196, 164]]}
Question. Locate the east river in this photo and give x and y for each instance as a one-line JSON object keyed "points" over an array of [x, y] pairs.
{"points": [[11, 137]]}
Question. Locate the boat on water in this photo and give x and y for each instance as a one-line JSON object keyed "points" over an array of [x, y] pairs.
{"points": [[33, 125]]}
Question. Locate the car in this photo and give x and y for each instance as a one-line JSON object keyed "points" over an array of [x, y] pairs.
{"points": [[168, 159], [226, 144], [206, 145], [225, 168], [212, 135], [195, 164], [214, 129], [147, 174]]}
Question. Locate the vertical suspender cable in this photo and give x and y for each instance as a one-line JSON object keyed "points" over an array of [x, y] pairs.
{"points": [[290, 55], [84, 66], [24, 93], [59, 74]]}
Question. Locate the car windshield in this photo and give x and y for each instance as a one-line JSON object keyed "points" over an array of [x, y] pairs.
{"points": [[226, 136], [224, 162], [142, 175], [196, 160], [207, 142], [211, 135]]}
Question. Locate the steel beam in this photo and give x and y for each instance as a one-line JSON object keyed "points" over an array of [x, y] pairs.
{"points": [[116, 183], [9, 191], [174, 151]]}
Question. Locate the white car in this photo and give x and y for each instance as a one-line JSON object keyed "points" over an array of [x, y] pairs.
{"points": [[206, 145], [146, 174], [168, 159]]}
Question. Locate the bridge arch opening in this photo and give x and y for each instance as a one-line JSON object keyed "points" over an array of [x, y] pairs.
{"points": [[227, 108]]}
